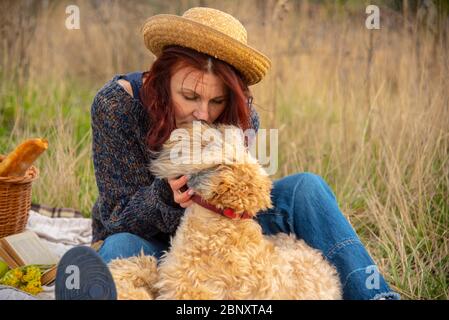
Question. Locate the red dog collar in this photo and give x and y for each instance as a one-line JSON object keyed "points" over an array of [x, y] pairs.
{"points": [[228, 212]]}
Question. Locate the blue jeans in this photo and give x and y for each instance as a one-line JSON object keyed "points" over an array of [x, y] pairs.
{"points": [[306, 206]]}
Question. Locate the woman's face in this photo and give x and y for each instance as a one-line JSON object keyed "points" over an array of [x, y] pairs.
{"points": [[197, 95]]}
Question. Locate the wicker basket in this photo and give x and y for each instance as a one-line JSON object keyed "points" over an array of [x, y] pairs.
{"points": [[15, 201]]}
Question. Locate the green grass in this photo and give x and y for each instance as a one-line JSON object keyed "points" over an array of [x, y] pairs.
{"points": [[59, 112]]}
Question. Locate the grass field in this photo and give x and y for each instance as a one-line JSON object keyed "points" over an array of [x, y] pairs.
{"points": [[366, 109]]}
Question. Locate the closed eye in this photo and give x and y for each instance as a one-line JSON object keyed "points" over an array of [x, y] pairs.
{"points": [[191, 98], [197, 97]]}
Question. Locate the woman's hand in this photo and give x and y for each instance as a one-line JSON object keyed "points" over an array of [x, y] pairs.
{"points": [[182, 197]]}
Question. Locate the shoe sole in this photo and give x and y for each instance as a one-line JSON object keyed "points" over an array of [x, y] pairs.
{"points": [[83, 275]]}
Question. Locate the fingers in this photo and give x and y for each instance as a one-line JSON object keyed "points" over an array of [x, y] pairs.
{"points": [[182, 198], [186, 204], [176, 184]]}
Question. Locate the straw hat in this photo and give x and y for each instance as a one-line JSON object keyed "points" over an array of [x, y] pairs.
{"points": [[209, 31]]}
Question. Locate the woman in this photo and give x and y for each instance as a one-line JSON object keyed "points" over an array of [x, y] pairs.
{"points": [[202, 72]]}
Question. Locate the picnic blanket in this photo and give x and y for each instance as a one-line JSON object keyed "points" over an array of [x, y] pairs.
{"points": [[60, 229]]}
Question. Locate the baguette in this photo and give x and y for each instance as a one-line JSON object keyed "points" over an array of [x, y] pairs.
{"points": [[18, 161]]}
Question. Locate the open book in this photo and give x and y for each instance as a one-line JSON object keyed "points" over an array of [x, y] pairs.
{"points": [[26, 248]]}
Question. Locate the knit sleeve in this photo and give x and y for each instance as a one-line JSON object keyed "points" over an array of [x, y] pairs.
{"points": [[130, 198]]}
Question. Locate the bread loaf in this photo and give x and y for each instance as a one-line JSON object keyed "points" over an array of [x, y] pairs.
{"points": [[18, 161]]}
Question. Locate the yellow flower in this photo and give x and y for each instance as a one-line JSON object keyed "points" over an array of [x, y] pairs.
{"points": [[18, 273], [33, 287], [31, 273], [27, 278], [12, 278]]}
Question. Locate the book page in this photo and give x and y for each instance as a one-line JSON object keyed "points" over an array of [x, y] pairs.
{"points": [[30, 248]]}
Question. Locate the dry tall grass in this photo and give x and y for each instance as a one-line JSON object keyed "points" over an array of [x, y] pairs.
{"points": [[367, 110]]}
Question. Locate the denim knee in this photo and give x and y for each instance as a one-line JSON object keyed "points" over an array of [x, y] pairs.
{"points": [[125, 244], [310, 183], [304, 180], [300, 185], [311, 208], [121, 240]]}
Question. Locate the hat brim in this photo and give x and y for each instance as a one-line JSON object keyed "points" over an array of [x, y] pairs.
{"points": [[165, 29]]}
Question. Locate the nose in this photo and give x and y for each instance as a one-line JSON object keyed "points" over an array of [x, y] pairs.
{"points": [[202, 113]]}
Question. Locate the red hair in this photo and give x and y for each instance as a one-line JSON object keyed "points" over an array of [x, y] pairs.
{"points": [[156, 97]]}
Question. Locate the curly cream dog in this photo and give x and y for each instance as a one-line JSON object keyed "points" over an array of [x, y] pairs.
{"points": [[213, 256]]}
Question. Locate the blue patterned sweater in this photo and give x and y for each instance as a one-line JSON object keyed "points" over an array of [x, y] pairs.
{"points": [[130, 198]]}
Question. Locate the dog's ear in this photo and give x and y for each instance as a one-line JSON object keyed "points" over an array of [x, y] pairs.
{"points": [[242, 187], [162, 166]]}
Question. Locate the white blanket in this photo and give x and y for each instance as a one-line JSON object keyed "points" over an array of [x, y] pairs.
{"points": [[59, 234]]}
